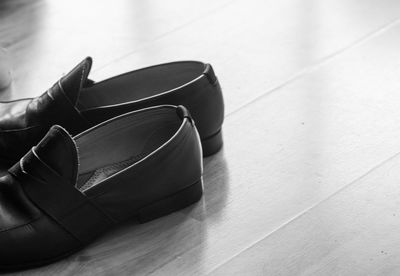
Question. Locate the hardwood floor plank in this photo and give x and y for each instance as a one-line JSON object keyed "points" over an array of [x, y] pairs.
{"points": [[355, 232], [257, 45]]}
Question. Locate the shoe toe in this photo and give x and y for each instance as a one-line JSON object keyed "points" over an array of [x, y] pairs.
{"points": [[37, 242], [28, 237]]}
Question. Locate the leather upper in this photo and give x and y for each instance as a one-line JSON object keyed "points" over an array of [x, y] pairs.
{"points": [[75, 102], [45, 211]]}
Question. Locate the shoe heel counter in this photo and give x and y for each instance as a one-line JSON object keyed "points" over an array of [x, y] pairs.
{"points": [[215, 94], [194, 148], [187, 152], [186, 188], [210, 74], [213, 114]]}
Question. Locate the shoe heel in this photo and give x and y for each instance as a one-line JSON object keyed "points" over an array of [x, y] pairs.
{"points": [[212, 144], [170, 204]]}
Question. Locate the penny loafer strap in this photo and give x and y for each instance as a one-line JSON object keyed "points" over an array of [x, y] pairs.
{"points": [[59, 198], [54, 107]]}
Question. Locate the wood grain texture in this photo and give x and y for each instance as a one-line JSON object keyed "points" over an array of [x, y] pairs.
{"points": [[354, 232], [257, 46], [312, 94]]}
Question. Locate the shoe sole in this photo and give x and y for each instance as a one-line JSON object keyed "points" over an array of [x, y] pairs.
{"points": [[212, 144]]}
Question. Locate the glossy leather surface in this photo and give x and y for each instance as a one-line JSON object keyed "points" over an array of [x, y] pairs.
{"points": [[77, 103], [45, 214]]}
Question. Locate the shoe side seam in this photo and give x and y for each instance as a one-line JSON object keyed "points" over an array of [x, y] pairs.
{"points": [[19, 226]]}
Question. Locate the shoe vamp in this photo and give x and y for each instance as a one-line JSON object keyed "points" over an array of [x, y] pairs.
{"points": [[13, 115]]}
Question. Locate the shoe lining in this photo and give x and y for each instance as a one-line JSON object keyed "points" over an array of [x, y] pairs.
{"points": [[112, 150], [102, 173]]}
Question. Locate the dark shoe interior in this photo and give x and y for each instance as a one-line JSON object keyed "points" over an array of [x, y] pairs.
{"points": [[105, 151], [139, 84]]}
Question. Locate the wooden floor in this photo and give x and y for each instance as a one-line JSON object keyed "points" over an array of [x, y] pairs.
{"points": [[308, 182]]}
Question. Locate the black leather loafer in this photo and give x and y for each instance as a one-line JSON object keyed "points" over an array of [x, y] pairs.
{"points": [[143, 164], [77, 103]]}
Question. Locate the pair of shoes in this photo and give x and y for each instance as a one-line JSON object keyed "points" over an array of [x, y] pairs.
{"points": [[135, 155]]}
